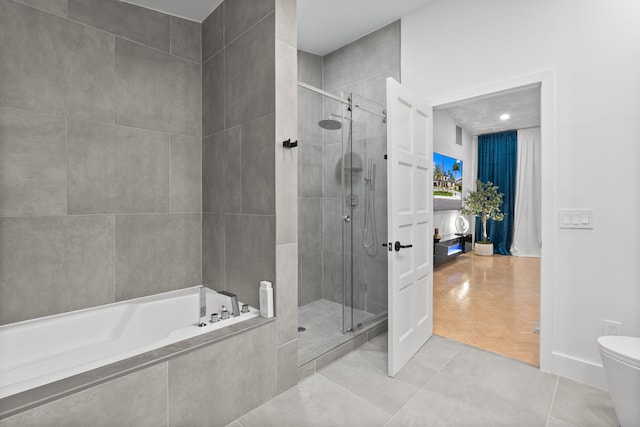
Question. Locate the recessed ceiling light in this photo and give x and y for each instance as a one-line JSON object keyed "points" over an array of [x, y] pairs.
{"points": [[504, 116]]}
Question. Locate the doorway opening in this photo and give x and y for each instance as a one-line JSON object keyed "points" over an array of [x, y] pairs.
{"points": [[493, 303]]}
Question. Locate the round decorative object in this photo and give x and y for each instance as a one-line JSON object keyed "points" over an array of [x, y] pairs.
{"points": [[462, 225]]}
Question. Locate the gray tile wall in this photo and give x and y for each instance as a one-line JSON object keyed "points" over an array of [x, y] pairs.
{"points": [[238, 151], [250, 230], [217, 384], [154, 145], [309, 180], [100, 155], [360, 67], [138, 399]]}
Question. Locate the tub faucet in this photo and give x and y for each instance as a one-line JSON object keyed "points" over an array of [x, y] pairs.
{"points": [[235, 310], [202, 312]]}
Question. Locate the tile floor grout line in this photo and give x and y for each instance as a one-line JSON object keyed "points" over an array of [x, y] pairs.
{"points": [[553, 399], [352, 393]]}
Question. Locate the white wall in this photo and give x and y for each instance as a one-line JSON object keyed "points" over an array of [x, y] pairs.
{"points": [[592, 47], [444, 142]]}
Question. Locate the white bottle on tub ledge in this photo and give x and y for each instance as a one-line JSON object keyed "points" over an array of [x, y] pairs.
{"points": [[266, 299]]}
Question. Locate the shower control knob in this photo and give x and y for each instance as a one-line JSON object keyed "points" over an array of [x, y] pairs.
{"points": [[397, 246], [347, 218]]}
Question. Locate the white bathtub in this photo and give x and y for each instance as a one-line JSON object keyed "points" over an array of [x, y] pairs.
{"points": [[40, 351]]}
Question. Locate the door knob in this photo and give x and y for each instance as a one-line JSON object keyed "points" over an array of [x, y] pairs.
{"points": [[398, 246]]}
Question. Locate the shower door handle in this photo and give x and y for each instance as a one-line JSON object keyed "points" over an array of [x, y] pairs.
{"points": [[398, 246]]}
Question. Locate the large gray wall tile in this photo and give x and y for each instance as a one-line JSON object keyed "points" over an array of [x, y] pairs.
{"points": [[286, 159], [309, 115], [258, 166], [287, 365], [309, 170], [213, 112], [332, 276], [139, 399], [127, 20], [32, 163], [117, 169], [57, 7], [157, 253], [309, 278], [155, 90], [212, 33], [50, 265], [186, 174], [54, 65], [332, 173], [213, 274], [217, 384], [375, 53], [335, 69], [250, 72], [240, 15], [310, 225], [287, 22], [310, 68], [186, 39], [221, 172], [286, 292], [249, 254]]}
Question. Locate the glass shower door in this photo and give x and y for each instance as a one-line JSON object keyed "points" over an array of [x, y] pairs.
{"points": [[365, 207]]}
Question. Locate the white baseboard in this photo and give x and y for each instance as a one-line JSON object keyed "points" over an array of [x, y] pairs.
{"points": [[579, 370]]}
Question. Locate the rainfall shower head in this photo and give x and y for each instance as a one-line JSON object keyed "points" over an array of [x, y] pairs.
{"points": [[330, 124]]}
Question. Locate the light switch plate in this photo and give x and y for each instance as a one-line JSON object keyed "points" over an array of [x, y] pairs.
{"points": [[576, 218]]}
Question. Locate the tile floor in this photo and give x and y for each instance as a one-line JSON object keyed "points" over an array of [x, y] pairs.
{"points": [[322, 320], [446, 383]]}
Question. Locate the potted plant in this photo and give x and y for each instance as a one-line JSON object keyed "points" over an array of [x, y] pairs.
{"points": [[484, 203]]}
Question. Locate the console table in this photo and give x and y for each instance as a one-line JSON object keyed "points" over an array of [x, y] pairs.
{"points": [[449, 247]]}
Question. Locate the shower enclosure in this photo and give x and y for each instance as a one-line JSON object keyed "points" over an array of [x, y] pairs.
{"points": [[342, 205]]}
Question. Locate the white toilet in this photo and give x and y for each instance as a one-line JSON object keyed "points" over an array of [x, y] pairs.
{"points": [[621, 362]]}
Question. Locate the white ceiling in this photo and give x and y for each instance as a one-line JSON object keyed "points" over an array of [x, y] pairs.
{"points": [[482, 115]]}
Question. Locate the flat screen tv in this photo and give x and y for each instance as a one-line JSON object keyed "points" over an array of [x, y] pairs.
{"points": [[447, 183]]}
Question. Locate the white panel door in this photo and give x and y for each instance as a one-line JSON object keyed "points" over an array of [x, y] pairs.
{"points": [[410, 219]]}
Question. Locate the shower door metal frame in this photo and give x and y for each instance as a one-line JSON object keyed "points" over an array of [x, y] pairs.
{"points": [[350, 282], [347, 274]]}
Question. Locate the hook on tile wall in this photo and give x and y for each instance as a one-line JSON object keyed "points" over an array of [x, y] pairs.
{"points": [[289, 144]]}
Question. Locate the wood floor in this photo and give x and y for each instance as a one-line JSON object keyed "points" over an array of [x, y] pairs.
{"points": [[491, 303]]}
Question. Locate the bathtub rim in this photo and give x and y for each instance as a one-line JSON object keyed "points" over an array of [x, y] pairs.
{"points": [[29, 399]]}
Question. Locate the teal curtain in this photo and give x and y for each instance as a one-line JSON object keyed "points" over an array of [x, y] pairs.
{"points": [[497, 162]]}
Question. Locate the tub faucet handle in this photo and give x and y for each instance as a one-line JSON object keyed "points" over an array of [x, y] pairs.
{"points": [[224, 313]]}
